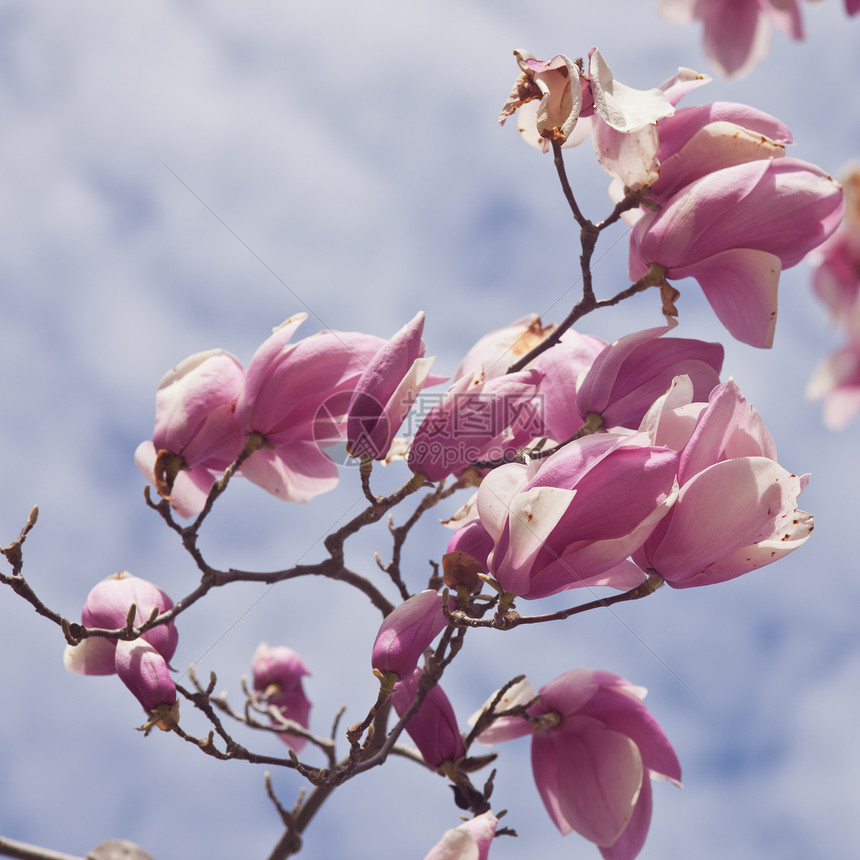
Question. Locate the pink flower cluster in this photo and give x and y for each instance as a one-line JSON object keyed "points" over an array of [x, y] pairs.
{"points": [[142, 664], [720, 201], [837, 284], [288, 405], [683, 480]]}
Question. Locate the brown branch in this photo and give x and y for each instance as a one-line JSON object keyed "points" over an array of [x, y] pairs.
{"points": [[23, 851], [510, 619]]}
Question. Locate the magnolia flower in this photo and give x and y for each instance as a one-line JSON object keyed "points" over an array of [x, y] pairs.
{"points": [[406, 633], [734, 230], [737, 507], [497, 350], [551, 97], [107, 606], [477, 418], [278, 674], [631, 373], [699, 140], [195, 436], [386, 391], [572, 519], [562, 366], [470, 841], [594, 747], [295, 400], [836, 281], [554, 405], [737, 32], [433, 727]]}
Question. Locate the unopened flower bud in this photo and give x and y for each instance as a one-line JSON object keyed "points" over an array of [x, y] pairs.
{"points": [[278, 674], [406, 633]]}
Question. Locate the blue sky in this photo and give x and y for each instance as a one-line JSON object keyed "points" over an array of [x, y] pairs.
{"points": [[183, 176]]}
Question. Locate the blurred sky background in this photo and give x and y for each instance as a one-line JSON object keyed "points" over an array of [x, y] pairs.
{"points": [[183, 176]]}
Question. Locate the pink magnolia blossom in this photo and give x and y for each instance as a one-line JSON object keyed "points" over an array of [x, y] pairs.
{"points": [[572, 519], [737, 32], [477, 418], [550, 97], [836, 381], [406, 633], [836, 281], [386, 391], [497, 350], [278, 674], [146, 673], [195, 436], [631, 373], [852, 7], [107, 606], [433, 727], [691, 143], [474, 540], [734, 230], [698, 140], [594, 747], [561, 365], [296, 397], [470, 841], [737, 507]]}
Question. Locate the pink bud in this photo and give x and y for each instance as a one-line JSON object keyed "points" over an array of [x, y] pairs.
{"points": [[278, 673], [433, 727], [146, 673], [407, 632], [195, 435], [470, 841], [386, 391], [107, 606]]}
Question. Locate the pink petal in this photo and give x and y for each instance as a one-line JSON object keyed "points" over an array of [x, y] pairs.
{"points": [[624, 108], [792, 531], [735, 41], [146, 673], [294, 473], [729, 427], [631, 841], [595, 780], [741, 287], [728, 506], [93, 656]]}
